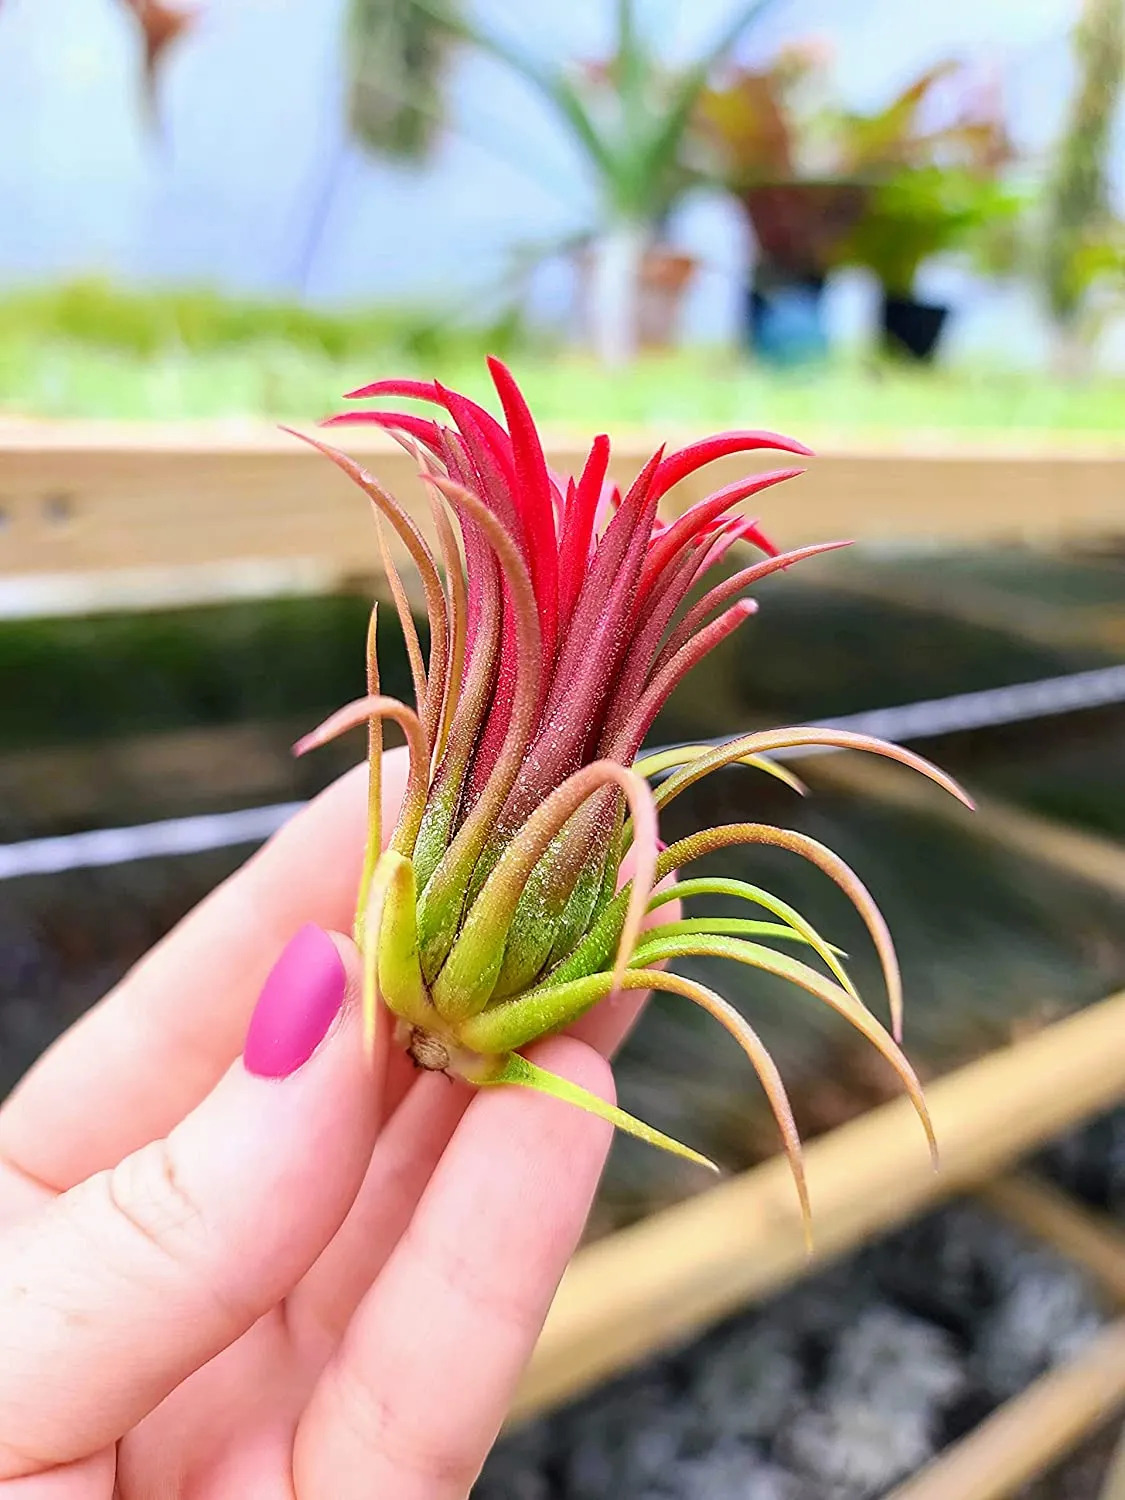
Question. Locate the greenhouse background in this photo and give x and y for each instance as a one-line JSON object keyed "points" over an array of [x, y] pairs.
{"points": [[229, 188]]}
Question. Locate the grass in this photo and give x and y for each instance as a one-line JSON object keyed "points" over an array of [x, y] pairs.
{"points": [[87, 350]]}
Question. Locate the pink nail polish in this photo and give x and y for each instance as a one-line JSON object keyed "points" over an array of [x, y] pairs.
{"points": [[299, 1001]]}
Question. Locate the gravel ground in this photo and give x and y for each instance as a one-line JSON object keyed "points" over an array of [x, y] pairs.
{"points": [[835, 1391], [1091, 1163]]}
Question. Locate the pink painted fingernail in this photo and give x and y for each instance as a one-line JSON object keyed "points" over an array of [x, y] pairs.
{"points": [[299, 1001]]}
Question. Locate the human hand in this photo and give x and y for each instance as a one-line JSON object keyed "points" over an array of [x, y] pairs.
{"points": [[214, 1281]]}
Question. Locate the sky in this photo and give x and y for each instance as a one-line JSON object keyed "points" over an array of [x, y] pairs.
{"points": [[251, 142]]}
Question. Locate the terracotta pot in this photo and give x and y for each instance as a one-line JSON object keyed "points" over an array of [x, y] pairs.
{"points": [[665, 278]]}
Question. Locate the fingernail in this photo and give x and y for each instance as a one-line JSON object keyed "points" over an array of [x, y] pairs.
{"points": [[299, 1001]]}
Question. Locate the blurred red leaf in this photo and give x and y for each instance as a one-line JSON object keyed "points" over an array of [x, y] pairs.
{"points": [[161, 24]]}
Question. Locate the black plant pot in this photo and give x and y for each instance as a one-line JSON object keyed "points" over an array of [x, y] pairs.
{"points": [[912, 329]]}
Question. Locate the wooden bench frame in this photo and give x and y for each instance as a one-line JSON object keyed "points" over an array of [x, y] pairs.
{"points": [[114, 500]]}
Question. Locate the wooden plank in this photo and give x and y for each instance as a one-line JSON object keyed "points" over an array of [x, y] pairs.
{"points": [[660, 1281], [90, 497], [1032, 1431]]}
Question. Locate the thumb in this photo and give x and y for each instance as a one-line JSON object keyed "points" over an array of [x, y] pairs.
{"points": [[125, 1285]]}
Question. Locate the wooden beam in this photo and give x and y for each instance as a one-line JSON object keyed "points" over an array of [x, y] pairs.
{"points": [[657, 1283], [1032, 1431], [90, 497]]}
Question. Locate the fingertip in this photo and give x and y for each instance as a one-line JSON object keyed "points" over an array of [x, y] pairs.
{"points": [[579, 1061], [349, 956]]}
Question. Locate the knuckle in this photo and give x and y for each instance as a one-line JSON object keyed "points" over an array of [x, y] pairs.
{"points": [[146, 1191], [425, 1451], [490, 1300], [151, 1206]]}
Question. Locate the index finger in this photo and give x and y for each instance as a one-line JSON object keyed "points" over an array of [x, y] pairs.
{"points": [[157, 1044], [412, 1400]]}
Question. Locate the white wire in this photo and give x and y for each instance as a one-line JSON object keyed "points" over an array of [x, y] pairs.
{"points": [[909, 721]]}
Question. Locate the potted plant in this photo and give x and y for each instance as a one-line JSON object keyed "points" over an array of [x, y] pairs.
{"points": [[932, 188], [762, 134], [916, 214], [630, 117]]}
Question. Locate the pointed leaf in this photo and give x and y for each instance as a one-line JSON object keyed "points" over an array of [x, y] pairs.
{"points": [[767, 740], [711, 839], [578, 528], [534, 500], [518, 1070], [696, 518], [681, 755], [684, 890], [697, 616], [685, 461], [755, 956], [417, 784]]}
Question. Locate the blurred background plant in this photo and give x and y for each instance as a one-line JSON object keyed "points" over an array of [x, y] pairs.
{"points": [[1083, 244], [769, 137], [937, 187], [397, 55], [628, 115], [885, 189], [160, 25], [930, 181]]}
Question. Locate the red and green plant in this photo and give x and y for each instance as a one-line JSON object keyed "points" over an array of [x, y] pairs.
{"points": [[522, 879], [884, 189]]}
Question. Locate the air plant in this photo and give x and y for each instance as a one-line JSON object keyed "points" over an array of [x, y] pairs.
{"points": [[524, 880]]}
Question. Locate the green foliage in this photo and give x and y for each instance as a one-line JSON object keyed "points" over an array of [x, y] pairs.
{"points": [[1080, 232], [935, 186], [397, 52], [921, 212], [142, 323], [628, 116], [768, 125], [695, 388]]}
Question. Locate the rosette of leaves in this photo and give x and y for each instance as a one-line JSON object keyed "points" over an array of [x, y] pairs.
{"points": [[522, 882]]}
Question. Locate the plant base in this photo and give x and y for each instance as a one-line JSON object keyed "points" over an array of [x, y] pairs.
{"points": [[428, 1051]]}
